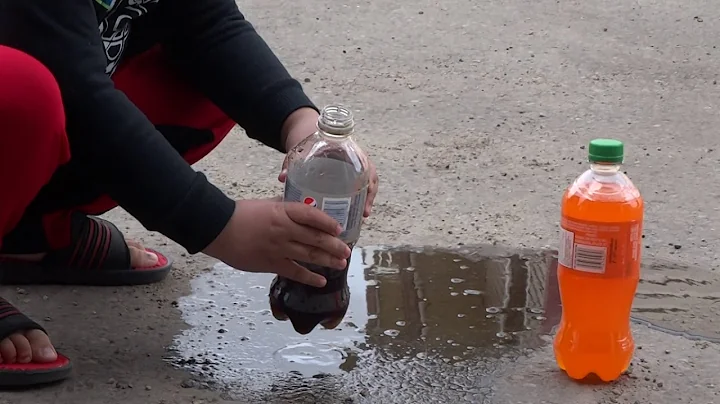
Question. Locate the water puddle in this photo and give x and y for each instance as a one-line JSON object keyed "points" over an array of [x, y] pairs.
{"points": [[423, 326]]}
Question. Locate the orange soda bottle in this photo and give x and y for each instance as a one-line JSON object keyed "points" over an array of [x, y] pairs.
{"points": [[598, 267]]}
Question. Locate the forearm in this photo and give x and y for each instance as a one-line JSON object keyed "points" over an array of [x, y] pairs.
{"points": [[223, 55]]}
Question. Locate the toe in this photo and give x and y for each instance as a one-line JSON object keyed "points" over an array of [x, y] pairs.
{"points": [[136, 244], [7, 351], [42, 349], [140, 258], [23, 352]]}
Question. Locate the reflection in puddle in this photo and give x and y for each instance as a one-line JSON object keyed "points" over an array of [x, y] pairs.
{"points": [[453, 306], [416, 319]]}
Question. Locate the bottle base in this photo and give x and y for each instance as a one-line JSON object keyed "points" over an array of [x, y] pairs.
{"points": [[594, 378], [310, 308], [579, 371]]}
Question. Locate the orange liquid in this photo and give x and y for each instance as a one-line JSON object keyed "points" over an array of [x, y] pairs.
{"points": [[594, 336]]}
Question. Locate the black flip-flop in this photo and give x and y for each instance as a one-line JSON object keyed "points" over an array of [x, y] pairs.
{"points": [[19, 375], [97, 256]]}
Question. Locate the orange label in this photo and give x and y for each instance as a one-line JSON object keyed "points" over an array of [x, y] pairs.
{"points": [[612, 249]]}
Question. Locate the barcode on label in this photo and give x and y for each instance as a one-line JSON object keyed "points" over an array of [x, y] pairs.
{"points": [[589, 258], [338, 209], [565, 252]]}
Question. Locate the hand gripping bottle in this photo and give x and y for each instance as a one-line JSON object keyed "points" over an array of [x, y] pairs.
{"points": [[328, 170], [598, 266]]}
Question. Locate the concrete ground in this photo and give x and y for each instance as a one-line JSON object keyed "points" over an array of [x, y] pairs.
{"points": [[476, 114]]}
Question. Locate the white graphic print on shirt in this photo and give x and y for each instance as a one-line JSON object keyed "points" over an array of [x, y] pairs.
{"points": [[115, 28]]}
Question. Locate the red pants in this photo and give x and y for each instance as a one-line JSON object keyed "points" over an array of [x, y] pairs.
{"points": [[34, 144]]}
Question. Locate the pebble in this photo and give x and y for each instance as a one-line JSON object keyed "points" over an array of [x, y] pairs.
{"points": [[189, 384]]}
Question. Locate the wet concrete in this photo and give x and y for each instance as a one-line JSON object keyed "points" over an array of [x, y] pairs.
{"points": [[424, 325]]}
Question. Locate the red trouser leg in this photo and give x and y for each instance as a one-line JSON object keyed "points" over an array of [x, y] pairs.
{"points": [[166, 99], [33, 142]]}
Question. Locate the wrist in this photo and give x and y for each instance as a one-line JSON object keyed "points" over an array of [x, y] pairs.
{"points": [[219, 244], [300, 124]]}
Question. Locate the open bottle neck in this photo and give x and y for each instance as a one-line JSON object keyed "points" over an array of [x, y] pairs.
{"points": [[336, 122]]}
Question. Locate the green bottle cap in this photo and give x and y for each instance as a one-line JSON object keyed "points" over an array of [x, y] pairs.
{"points": [[606, 151]]}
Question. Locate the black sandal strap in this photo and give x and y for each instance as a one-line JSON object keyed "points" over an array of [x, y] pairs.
{"points": [[96, 244], [13, 321]]}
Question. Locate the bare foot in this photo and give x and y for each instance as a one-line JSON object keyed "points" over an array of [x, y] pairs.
{"points": [[25, 347], [34, 345], [139, 257]]}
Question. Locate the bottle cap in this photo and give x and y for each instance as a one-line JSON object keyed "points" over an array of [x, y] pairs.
{"points": [[336, 120], [606, 151]]}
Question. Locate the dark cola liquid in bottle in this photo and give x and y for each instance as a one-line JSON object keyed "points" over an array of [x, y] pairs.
{"points": [[328, 170]]}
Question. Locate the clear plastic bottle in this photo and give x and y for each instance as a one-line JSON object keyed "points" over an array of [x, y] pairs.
{"points": [[599, 266], [327, 170]]}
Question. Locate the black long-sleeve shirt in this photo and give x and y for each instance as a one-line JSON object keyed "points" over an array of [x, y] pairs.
{"points": [[83, 41]]}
